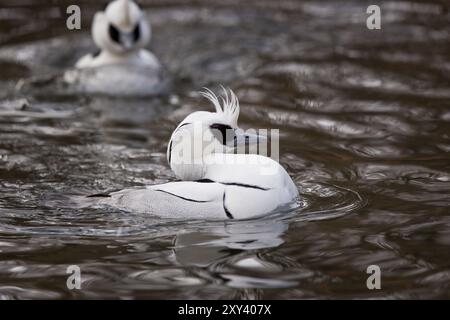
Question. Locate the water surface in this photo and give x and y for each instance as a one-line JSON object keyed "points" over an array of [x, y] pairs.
{"points": [[364, 118]]}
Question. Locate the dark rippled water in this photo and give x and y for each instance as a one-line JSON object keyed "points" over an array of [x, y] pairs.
{"points": [[364, 118]]}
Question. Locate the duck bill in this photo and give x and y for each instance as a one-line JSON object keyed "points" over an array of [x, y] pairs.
{"points": [[126, 40], [248, 142]]}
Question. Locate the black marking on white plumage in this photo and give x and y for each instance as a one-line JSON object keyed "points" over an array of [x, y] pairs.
{"points": [[136, 33], [222, 128], [243, 185], [235, 184], [99, 195], [187, 199], [227, 212], [170, 143], [114, 33], [206, 181], [170, 151], [184, 124]]}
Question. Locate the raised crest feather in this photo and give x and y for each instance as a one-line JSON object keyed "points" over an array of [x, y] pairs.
{"points": [[227, 104]]}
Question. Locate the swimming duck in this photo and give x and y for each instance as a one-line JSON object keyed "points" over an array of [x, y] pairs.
{"points": [[122, 67], [219, 179], [121, 32]]}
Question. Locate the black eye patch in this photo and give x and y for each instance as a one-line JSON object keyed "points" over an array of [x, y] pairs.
{"points": [[136, 33], [222, 128], [113, 33]]}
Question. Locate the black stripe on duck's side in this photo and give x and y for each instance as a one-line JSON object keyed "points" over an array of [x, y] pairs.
{"points": [[236, 184], [99, 195], [243, 185], [206, 181], [227, 212], [187, 199]]}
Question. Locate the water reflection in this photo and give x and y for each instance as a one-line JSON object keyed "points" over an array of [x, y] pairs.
{"points": [[364, 132], [202, 248]]}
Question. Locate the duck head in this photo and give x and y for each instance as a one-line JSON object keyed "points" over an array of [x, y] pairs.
{"points": [[121, 28], [202, 134]]}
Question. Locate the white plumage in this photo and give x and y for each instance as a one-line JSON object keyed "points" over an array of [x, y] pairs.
{"points": [[121, 32], [122, 66], [218, 184]]}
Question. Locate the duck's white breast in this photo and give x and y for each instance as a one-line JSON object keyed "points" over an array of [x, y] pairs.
{"points": [[255, 185], [139, 76]]}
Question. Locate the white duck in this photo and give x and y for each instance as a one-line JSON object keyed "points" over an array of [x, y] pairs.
{"points": [[122, 67], [218, 184], [121, 32]]}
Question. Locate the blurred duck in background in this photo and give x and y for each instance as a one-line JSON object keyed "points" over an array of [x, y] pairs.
{"points": [[121, 32], [122, 66]]}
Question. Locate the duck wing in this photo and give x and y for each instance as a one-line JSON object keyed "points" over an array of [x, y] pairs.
{"points": [[184, 199]]}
